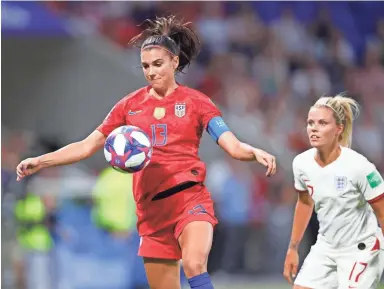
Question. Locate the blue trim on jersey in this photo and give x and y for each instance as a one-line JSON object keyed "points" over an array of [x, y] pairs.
{"points": [[216, 127]]}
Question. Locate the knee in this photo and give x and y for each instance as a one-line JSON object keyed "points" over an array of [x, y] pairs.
{"points": [[194, 265]]}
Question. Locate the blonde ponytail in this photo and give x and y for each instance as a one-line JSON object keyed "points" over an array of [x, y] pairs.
{"points": [[345, 110]]}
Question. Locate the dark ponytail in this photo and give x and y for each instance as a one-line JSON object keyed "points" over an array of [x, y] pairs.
{"points": [[172, 34]]}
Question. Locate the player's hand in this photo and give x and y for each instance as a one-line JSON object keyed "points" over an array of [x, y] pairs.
{"points": [[267, 160], [27, 167], [291, 264]]}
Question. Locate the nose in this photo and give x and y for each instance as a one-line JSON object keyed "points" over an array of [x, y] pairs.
{"points": [[314, 128], [151, 73]]}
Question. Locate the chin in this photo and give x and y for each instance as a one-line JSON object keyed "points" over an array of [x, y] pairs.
{"points": [[157, 85], [316, 144]]}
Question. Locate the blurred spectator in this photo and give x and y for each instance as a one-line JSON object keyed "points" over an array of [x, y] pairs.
{"points": [[242, 39], [311, 81], [33, 260], [233, 208], [114, 206], [372, 149], [292, 34], [213, 27]]}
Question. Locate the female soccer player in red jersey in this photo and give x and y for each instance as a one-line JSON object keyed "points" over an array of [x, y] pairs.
{"points": [[174, 209]]}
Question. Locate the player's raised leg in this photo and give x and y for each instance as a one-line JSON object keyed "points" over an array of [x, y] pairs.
{"points": [[162, 273], [195, 242]]}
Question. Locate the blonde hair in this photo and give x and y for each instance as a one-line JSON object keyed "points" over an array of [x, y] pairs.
{"points": [[345, 110]]}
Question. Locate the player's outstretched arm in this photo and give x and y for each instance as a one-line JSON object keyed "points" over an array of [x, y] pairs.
{"points": [[244, 152], [378, 208], [69, 154], [303, 213]]}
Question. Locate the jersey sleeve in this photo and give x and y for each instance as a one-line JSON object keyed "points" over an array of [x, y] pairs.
{"points": [[370, 182], [208, 110], [114, 119], [298, 182]]}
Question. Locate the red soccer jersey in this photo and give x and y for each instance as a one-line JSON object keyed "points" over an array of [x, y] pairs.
{"points": [[175, 126]]}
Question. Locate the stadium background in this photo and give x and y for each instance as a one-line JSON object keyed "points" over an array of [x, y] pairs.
{"points": [[65, 64]]}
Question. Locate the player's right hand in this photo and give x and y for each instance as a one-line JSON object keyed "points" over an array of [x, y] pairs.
{"points": [[27, 167], [290, 265], [267, 160]]}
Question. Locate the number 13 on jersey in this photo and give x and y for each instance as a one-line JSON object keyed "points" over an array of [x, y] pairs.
{"points": [[159, 134]]}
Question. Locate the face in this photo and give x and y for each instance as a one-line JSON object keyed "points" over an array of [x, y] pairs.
{"points": [[322, 129], [159, 67]]}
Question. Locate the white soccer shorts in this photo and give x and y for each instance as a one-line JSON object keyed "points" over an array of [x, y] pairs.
{"points": [[356, 267]]}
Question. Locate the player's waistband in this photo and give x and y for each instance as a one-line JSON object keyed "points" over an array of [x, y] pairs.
{"points": [[361, 243], [174, 190]]}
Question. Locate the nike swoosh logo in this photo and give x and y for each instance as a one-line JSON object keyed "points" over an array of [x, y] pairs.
{"points": [[134, 112]]}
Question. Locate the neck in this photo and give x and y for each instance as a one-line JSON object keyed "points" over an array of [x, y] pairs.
{"points": [[325, 156], [161, 93]]}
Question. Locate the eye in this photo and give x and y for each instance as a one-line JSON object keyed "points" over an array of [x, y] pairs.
{"points": [[322, 122], [310, 122], [145, 66], [157, 64]]}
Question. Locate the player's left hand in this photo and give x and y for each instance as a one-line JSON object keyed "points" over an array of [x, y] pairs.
{"points": [[267, 160]]}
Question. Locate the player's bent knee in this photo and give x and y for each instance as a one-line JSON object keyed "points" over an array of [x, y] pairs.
{"points": [[194, 266]]}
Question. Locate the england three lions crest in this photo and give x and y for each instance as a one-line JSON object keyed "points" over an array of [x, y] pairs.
{"points": [[340, 183], [180, 109]]}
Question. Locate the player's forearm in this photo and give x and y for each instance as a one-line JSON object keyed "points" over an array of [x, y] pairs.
{"points": [[381, 222], [243, 152], [69, 154], [303, 213]]}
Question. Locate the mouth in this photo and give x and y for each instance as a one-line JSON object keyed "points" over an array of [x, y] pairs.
{"points": [[314, 138]]}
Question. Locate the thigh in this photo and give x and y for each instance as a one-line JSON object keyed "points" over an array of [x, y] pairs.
{"points": [[194, 229], [161, 245], [196, 242], [318, 270], [197, 206], [162, 273], [361, 268]]}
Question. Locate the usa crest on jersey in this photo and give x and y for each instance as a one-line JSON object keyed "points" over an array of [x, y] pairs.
{"points": [[340, 183], [180, 109]]}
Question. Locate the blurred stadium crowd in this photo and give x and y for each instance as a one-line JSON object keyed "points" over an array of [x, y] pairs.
{"points": [[263, 64]]}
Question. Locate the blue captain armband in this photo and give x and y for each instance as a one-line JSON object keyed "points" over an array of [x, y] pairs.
{"points": [[216, 127]]}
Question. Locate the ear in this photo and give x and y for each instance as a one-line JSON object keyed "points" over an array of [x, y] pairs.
{"points": [[340, 129], [175, 62]]}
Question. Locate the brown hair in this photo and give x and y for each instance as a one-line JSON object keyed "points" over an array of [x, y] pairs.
{"points": [[171, 34]]}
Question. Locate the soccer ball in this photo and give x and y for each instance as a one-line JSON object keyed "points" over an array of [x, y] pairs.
{"points": [[128, 149]]}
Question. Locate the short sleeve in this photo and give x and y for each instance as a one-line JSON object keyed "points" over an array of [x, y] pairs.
{"points": [[370, 182], [298, 182], [114, 119], [208, 110]]}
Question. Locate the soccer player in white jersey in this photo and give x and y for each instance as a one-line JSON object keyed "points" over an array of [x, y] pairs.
{"points": [[347, 193]]}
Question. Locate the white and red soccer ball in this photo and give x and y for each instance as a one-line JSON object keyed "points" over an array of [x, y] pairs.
{"points": [[128, 149]]}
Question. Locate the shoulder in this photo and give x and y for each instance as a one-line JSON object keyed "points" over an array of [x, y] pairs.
{"points": [[358, 162], [132, 97], [302, 160], [194, 94], [352, 155], [139, 93]]}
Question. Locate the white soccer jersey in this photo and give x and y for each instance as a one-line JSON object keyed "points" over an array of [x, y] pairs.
{"points": [[341, 192]]}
